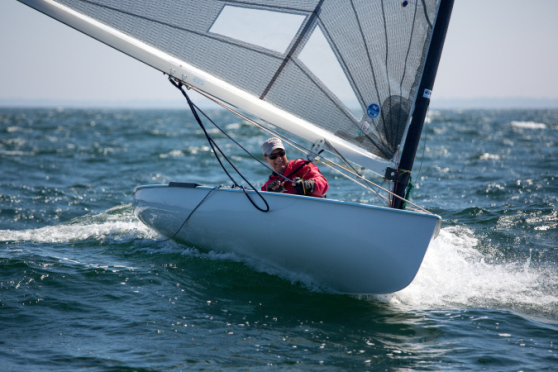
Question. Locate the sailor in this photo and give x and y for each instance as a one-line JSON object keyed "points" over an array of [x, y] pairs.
{"points": [[307, 178]]}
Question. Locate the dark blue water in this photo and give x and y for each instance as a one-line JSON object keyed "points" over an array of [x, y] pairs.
{"points": [[84, 285]]}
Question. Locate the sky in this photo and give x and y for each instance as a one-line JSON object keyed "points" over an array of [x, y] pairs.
{"points": [[495, 50]]}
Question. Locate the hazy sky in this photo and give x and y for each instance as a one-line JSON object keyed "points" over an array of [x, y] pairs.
{"points": [[494, 48]]}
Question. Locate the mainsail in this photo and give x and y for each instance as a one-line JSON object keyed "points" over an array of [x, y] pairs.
{"points": [[344, 71]]}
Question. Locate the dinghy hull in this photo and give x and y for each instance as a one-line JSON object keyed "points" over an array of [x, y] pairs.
{"points": [[345, 247]]}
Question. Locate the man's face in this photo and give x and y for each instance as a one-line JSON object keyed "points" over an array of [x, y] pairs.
{"points": [[279, 163]]}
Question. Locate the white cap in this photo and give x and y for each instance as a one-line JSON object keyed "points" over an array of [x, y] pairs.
{"points": [[271, 145]]}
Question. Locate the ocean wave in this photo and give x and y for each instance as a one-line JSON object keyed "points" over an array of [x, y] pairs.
{"points": [[528, 125], [116, 224], [456, 273]]}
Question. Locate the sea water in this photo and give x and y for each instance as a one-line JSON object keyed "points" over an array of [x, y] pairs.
{"points": [[85, 285]]}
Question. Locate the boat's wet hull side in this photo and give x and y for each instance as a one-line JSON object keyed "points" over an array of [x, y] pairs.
{"points": [[346, 247]]}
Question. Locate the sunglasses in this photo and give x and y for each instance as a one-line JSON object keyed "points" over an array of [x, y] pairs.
{"points": [[278, 154]]}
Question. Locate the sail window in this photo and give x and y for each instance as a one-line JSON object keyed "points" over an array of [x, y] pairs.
{"points": [[264, 28], [320, 59]]}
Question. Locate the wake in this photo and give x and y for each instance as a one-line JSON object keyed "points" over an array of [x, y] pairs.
{"points": [[455, 273]]}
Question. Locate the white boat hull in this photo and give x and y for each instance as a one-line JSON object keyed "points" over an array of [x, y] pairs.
{"points": [[346, 247]]}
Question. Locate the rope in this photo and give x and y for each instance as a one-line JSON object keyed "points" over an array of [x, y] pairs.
{"points": [[302, 149], [410, 188], [214, 146], [187, 218]]}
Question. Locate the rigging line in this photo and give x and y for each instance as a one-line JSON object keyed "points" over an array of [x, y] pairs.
{"points": [[338, 54], [297, 146], [360, 177], [302, 149], [309, 24], [366, 48], [239, 145], [423, 149], [374, 184], [376, 141], [232, 139], [187, 218], [342, 157], [212, 143], [294, 144], [387, 48], [426, 14], [377, 194], [325, 91], [376, 124]]}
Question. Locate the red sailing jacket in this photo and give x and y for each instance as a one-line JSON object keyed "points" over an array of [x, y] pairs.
{"points": [[307, 172]]}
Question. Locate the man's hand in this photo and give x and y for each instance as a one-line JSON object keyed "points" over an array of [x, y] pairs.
{"points": [[275, 186], [303, 187]]}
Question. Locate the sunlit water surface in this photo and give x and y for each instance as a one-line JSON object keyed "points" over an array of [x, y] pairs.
{"points": [[85, 285]]}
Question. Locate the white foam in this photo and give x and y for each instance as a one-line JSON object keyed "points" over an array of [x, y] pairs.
{"points": [[233, 126], [528, 125], [104, 226], [456, 274], [77, 232], [487, 156], [254, 264]]}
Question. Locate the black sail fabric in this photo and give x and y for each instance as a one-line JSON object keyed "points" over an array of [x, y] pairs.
{"points": [[351, 68]]}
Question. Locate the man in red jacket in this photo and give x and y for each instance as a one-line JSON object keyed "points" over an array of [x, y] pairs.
{"points": [[307, 178]]}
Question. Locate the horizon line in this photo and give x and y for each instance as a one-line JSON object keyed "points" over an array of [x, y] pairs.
{"points": [[440, 103]]}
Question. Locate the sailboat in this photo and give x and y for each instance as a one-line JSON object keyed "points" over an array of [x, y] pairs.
{"points": [[353, 78]]}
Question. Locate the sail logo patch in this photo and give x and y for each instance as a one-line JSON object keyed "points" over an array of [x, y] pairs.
{"points": [[373, 111]]}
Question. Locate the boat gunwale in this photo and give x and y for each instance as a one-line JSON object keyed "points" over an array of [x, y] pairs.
{"points": [[274, 194]]}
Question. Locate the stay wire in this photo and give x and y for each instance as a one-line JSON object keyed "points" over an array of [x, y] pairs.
{"points": [[187, 218], [423, 149], [210, 140], [214, 146], [286, 178], [301, 148]]}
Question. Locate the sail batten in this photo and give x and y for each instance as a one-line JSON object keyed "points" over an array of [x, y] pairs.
{"points": [[310, 22], [343, 71]]}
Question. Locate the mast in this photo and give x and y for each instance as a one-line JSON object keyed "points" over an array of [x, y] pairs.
{"points": [[422, 101]]}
